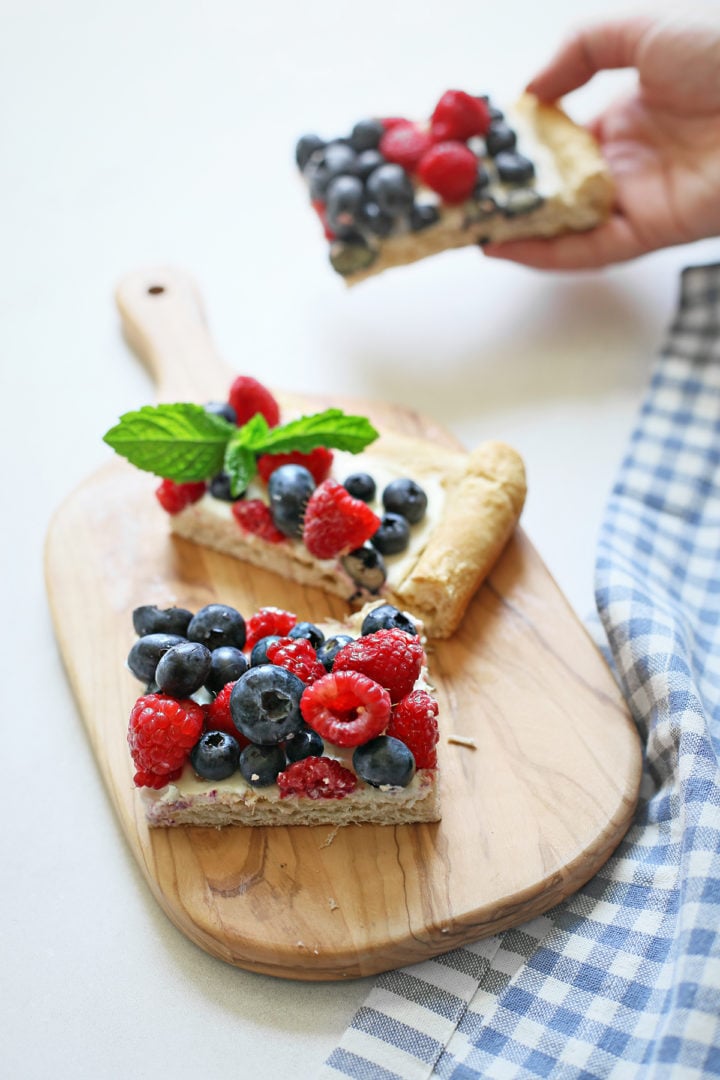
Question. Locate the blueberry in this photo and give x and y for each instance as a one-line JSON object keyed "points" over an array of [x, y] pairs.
{"points": [[393, 536], [387, 617], [500, 136], [145, 654], [223, 409], [304, 744], [384, 761], [318, 178], [361, 486], [351, 258], [260, 765], [309, 631], [514, 168], [366, 135], [423, 216], [305, 147], [152, 620], [344, 197], [330, 648], [289, 488], [368, 161], [407, 498], [220, 488], [215, 755], [227, 664], [183, 669], [375, 220], [366, 567], [483, 179], [391, 188], [216, 625], [522, 201], [258, 653], [265, 704], [338, 158]]}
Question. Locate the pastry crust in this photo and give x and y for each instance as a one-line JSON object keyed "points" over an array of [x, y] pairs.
{"points": [[475, 502], [581, 198]]}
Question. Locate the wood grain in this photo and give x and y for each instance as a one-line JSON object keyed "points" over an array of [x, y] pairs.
{"points": [[528, 816]]}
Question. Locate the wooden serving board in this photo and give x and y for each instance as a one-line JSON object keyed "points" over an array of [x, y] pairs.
{"points": [[528, 816]]}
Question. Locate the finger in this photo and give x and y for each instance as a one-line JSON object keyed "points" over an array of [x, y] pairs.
{"points": [[599, 47], [614, 241]]}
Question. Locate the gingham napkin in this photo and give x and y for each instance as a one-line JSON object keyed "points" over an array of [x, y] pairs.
{"points": [[623, 979]]}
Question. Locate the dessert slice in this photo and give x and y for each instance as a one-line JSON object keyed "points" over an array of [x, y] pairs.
{"points": [[387, 516], [279, 722], [393, 191]]}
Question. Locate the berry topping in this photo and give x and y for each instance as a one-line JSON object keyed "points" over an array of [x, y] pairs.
{"points": [[393, 536], [223, 409], [183, 669], [260, 765], [522, 201], [500, 137], [423, 216], [384, 762], [361, 486], [145, 654], [289, 488], [405, 144], [458, 115], [175, 497], [338, 158], [219, 718], [309, 631], [306, 146], [317, 462], [265, 704], [514, 168], [161, 734], [216, 625], [405, 497], [254, 516], [335, 522], [215, 755], [387, 617], [344, 197], [392, 658], [317, 778], [330, 648], [258, 653], [367, 162], [352, 258], [366, 135], [227, 664], [366, 567], [269, 620], [318, 206], [375, 220], [220, 488], [450, 169], [149, 619], [346, 707], [391, 188], [297, 656], [414, 722], [247, 397], [304, 744]]}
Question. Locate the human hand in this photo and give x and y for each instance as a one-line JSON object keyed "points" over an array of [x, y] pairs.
{"points": [[661, 144]]}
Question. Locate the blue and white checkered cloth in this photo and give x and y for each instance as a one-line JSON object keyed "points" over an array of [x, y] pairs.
{"points": [[623, 979]]}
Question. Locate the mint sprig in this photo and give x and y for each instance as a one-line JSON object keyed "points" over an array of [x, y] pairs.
{"points": [[184, 443]]}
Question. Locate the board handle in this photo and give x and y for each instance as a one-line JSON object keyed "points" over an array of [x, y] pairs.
{"points": [[164, 322]]}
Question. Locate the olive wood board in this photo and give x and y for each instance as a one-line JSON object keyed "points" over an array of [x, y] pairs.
{"points": [[528, 816]]}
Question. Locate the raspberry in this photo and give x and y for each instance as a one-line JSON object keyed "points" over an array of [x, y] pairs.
{"points": [[390, 122], [459, 115], [266, 621], [253, 515], [404, 144], [346, 707], [248, 397], [317, 462], [219, 718], [414, 722], [298, 656], [161, 734], [449, 168], [390, 657], [175, 497], [317, 778], [335, 522]]}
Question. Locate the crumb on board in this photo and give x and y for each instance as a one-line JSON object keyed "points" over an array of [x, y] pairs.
{"points": [[463, 740], [330, 837], [332, 903]]}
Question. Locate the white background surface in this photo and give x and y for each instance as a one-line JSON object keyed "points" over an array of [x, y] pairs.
{"points": [[163, 132]]}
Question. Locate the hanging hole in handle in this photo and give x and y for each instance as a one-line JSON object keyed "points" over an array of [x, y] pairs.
{"points": [[155, 290]]}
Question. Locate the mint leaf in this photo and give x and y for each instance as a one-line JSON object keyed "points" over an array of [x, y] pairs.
{"points": [[181, 442], [253, 434], [240, 466], [332, 428]]}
